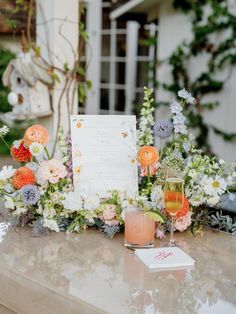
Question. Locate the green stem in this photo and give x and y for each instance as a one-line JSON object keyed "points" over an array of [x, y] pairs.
{"points": [[47, 153], [5, 143]]}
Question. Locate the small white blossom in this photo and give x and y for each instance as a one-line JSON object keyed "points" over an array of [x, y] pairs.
{"points": [[51, 224], [16, 143], [179, 119], [6, 173], [212, 201], [180, 128], [36, 149], [19, 211], [176, 108], [186, 95], [3, 131], [221, 162], [9, 202], [192, 173]]}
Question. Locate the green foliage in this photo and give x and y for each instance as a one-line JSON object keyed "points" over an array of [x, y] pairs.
{"points": [[221, 55], [5, 57]]}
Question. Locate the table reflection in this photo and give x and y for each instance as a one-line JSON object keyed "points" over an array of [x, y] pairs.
{"points": [[101, 272]]}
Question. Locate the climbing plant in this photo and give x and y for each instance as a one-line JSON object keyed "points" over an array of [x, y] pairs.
{"points": [[210, 18]]}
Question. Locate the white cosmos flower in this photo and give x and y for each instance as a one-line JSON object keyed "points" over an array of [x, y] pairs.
{"points": [[36, 149], [4, 130], [214, 186], [6, 173], [175, 107], [51, 224]]}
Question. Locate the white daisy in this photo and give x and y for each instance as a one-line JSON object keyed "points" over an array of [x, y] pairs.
{"points": [[214, 186], [36, 149], [6, 173]]}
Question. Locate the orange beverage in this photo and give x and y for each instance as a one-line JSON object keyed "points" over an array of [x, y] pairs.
{"points": [[173, 195], [139, 230], [173, 202]]}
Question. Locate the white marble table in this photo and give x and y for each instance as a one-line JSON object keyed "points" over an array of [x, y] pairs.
{"points": [[90, 273]]}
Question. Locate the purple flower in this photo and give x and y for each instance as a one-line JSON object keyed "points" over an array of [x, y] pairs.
{"points": [[30, 194], [163, 129]]}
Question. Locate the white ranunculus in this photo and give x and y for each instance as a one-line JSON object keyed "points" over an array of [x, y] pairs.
{"points": [[51, 224], [6, 173]]}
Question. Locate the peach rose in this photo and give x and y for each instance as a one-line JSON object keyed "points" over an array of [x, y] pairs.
{"points": [[109, 212], [148, 156], [36, 133]]}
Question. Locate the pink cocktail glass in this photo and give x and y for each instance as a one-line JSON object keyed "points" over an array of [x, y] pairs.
{"points": [[139, 230]]}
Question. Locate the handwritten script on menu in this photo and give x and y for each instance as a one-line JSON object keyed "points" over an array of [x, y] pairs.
{"points": [[104, 153]]}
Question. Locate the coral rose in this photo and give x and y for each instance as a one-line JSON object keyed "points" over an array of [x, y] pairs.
{"points": [[36, 133], [21, 153], [148, 156], [23, 176]]}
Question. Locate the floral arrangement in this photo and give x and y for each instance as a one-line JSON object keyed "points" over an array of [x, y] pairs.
{"points": [[41, 193]]}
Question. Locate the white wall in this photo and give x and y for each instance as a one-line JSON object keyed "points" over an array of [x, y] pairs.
{"points": [[174, 27]]}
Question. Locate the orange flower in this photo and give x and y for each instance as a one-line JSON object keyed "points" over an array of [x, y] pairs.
{"points": [[36, 133], [184, 210], [23, 176], [148, 156], [21, 153]]}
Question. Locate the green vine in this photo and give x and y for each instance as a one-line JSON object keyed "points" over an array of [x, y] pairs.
{"points": [[221, 55]]}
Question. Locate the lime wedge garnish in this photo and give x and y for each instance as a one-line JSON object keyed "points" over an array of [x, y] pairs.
{"points": [[155, 216]]}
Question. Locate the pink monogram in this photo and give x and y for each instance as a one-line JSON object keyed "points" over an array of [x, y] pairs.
{"points": [[163, 255]]}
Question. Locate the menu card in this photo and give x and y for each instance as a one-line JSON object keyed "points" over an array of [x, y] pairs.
{"points": [[104, 153], [165, 257]]}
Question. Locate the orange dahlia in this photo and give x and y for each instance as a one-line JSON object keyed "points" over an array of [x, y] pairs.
{"points": [[36, 133], [148, 156], [21, 153], [23, 176], [184, 210]]}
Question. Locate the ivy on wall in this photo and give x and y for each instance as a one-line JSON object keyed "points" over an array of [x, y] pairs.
{"points": [[210, 18]]}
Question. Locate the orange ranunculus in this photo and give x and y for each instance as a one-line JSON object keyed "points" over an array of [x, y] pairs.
{"points": [[184, 210], [148, 156], [23, 176], [36, 133]]}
